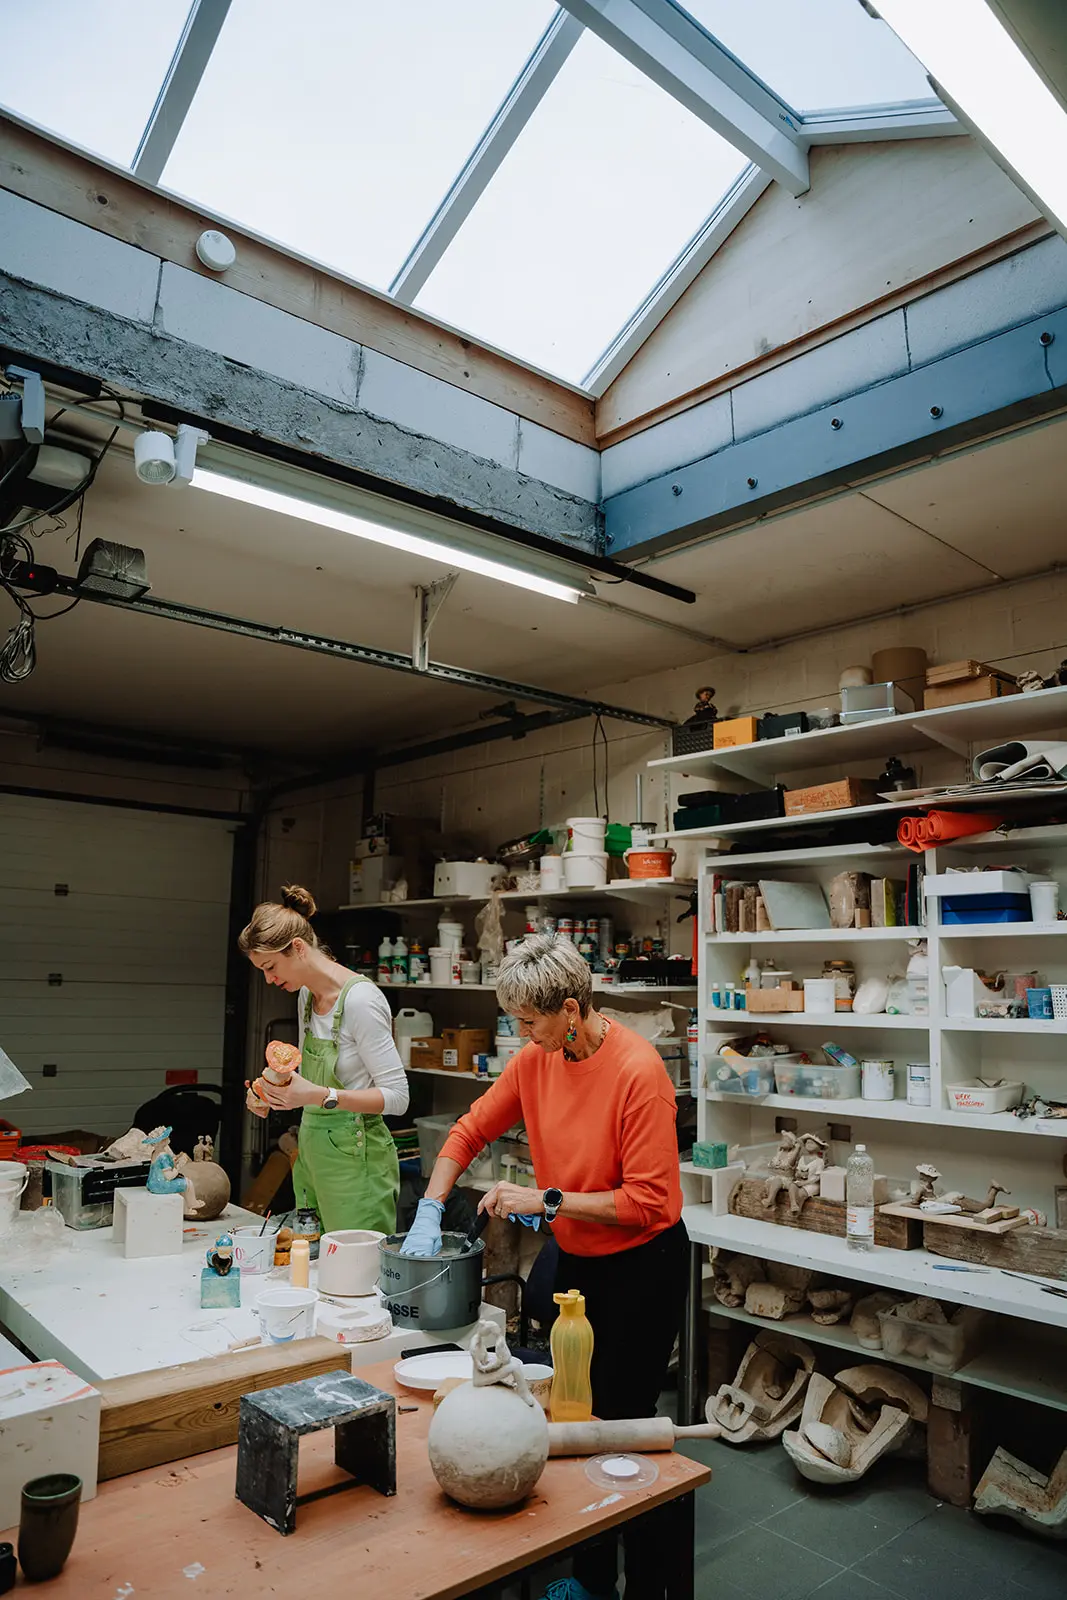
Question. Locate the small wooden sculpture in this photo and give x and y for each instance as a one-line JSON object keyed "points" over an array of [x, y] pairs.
{"points": [[768, 1393], [810, 1163], [783, 1166], [973, 1207], [924, 1189]]}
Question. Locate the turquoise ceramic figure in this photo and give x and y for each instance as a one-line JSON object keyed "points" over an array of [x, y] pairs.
{"points": [[163, 1175]]}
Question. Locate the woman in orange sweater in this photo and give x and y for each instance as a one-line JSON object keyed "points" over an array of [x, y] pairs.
{"points": [[600, 1113]]}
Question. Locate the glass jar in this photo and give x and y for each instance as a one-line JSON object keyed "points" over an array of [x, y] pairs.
{"points": [[843, 974]]}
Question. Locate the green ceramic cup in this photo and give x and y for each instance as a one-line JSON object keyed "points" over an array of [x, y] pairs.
{"points": [[48, 1524]]}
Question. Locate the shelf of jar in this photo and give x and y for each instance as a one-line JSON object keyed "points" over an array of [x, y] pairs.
{"points": [[894, 1111]]}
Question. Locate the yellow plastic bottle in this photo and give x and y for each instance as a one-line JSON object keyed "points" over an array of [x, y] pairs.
{"points": [[572, 1353]]}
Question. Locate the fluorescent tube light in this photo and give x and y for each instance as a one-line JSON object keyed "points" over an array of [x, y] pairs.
{"points": [[987, 79], [325, 516]]}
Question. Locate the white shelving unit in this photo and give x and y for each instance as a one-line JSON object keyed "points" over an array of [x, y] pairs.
{"points": [[640, 891]]}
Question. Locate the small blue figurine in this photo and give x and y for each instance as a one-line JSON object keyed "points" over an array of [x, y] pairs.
{"points": [[218, 1291], [163, 1175]]}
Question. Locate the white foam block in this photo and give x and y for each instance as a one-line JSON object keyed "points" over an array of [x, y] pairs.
{"points": [[49, 1422], [148, 1224]]}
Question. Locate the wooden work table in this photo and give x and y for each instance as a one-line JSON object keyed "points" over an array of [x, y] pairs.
{"points": [[152, 1532]]}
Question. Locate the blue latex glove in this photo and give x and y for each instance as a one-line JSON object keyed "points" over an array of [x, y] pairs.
{"points": [[424, 1236], [526, 1220]]}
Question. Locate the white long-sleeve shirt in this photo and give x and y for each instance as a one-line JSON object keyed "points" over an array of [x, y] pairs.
{"points": [[367, 1057]]}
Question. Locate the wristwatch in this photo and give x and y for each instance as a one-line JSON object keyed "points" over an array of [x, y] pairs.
{"points": [[553, 1199], [329, 1102]]}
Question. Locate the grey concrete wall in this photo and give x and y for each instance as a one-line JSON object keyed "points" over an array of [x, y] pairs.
{"points": [[82, 299]]}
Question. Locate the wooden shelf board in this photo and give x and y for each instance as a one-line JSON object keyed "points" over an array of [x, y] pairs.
{"points": [[911, 1271], [818, 936]]}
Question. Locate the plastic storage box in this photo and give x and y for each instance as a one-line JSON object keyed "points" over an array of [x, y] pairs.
{"points": [[945, 1345], [810, 1081], [756, 1076], [983, 1097], [85, 1196], [985, 908]]}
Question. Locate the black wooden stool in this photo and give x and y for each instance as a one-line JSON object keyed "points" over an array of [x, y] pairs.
{"points": [[268, 1442]]}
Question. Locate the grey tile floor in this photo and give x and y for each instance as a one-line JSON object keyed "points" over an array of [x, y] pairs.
{"points": [[763, 1533]]}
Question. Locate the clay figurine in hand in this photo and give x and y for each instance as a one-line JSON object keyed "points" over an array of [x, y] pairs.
{"points": [[809, 1167], [164, 1175], [783, 1166], [220, 1257], [488, 1440], [282, 1061]]}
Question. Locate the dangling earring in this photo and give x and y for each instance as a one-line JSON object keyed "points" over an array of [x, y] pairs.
{"points": [[572, 1034]]}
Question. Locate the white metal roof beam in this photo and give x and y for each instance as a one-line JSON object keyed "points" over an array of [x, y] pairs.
{"points": [[675, 52], [202, 28], [522, 100], [911, 119]]}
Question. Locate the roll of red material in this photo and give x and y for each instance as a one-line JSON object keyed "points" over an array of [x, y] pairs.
{"points": [[938, 827]]}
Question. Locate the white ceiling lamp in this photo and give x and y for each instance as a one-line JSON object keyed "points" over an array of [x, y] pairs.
{"points": [[986, 80], [466, 557]]}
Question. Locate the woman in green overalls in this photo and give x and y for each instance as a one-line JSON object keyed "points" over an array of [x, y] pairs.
{"points": [[350, 1071]]}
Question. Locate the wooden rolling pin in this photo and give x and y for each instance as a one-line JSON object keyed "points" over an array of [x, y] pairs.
{"points": [[626, 1433]]}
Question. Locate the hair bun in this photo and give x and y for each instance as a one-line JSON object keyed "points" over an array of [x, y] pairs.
{"points": [[298, 899]]}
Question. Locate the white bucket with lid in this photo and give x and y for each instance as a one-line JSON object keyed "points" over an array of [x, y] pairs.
{"points": [[440, 968], [14, 1176], [450, 935], [586, 836], [551, 873], [286, 1314], [586, 871], [507, 1045]]}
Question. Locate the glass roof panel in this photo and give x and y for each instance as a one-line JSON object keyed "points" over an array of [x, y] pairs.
{"points": [[815, 54], [603, 188], [339, 138], [89, 70]]}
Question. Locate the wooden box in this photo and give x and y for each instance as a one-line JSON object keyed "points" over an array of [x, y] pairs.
{"points": [[783, 998], [736, 730], [831, 796], [460, 1046], [959, 682]]}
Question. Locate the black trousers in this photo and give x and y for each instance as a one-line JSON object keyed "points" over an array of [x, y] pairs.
{"points": [[634, 1300]]}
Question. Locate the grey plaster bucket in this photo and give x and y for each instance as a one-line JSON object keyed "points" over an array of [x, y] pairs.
{"points": [[427, 1292]]}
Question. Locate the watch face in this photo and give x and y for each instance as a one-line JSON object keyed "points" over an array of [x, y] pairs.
{"points": [[553, 1197]]}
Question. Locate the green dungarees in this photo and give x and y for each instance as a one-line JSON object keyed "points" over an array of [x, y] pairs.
{"points": [[347, 1167]]}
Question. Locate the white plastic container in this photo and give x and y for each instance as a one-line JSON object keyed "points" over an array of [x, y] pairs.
{"points": [[14, 1176], [253, 1250], [810, 1081], [507, 1045], [878, 1081], [918, 1083], [349, 1261], [820, 995], [286, 1314], [551, 874], [464, 878], [440, 966], [988, 881], [410, 1024], [449, 935], [586, 835], [470, 972], [1044, 900], [586, 871], [982, 1097]]}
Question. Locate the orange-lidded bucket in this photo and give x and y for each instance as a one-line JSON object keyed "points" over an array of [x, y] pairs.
{"points": [[650, 863]]}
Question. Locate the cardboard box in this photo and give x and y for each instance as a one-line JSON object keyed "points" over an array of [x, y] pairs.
{"points": [[428, 1053], [831, 796], [960, 682], [784, 998], [461, 1045], [736, 730]]}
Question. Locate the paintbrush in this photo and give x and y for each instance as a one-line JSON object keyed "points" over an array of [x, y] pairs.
{"points": [[263, 1230]]}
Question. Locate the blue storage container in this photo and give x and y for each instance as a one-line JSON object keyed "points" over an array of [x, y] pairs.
{"points": [[965, 908]]}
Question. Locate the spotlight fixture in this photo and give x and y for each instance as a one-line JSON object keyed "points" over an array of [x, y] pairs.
{"points": [[153, 457], [113, 569]]}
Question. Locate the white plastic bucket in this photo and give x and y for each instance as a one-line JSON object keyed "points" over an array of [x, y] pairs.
{"points": [[1044, 900], [587, 871], [508, 1045], [551, 873], [348, 1262], [586, 835], [450, 935], [286, 1314], [14, 1176], [440, 965], [877, 1079], [253, 1251]]}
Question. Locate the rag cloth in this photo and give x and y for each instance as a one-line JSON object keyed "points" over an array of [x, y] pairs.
{"points": [[938, 827]]}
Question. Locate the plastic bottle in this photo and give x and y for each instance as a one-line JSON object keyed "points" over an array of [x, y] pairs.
{"points": [[385, 960], [48, 1228], [299, 1262], [859, 1200], [400, 960], [416, 961], [918, 976], [572, 1354], [693, 1042]]}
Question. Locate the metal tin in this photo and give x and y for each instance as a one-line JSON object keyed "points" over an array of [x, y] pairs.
{"points": [[443, 1291]]}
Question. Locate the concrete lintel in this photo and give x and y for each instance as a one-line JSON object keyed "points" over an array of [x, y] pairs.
{"points": [[174, 372], [1010, 377]]}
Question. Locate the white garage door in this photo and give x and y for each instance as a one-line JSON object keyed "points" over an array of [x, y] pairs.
{"points": [[113, 935]]}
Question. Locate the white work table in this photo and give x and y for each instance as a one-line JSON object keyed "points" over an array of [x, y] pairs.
{"points": [[105, 1317], [1020, 1363]]}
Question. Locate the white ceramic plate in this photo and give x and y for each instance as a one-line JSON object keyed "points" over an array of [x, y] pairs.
{"points": [[425, 1374]]}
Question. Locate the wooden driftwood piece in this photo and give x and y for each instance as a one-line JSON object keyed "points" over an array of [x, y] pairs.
{"points": [[768, 1393], [821, 1216], [1042, 1251], [1009, 1488], [972, 1222]]}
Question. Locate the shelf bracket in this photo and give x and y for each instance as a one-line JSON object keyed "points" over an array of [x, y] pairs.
{"points": [[959, 747], [428, 602]]}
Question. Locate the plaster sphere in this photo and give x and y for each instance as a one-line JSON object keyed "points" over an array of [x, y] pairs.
{"points": [[487, 1446], [212, 1186]]}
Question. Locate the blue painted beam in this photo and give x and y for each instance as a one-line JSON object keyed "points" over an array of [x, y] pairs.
{"points": [[1012, 377]]}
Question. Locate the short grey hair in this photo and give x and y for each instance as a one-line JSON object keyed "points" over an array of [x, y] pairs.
{"points": [[541, 974]]}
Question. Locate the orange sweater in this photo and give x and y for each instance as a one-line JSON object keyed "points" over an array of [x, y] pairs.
{"points": [[607, 1123]]}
